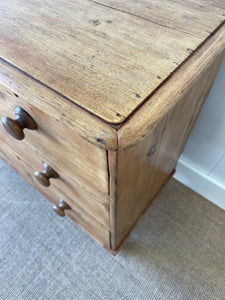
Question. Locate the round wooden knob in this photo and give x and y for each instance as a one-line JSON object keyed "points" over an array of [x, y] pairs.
{"points": [[44, 177], [61, 207], [15, 127]]}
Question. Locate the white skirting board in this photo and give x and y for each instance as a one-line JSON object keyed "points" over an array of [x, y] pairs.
{"points": [[200, 182]]}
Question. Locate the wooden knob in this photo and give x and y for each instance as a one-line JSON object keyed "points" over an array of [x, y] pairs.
{"points": [[61, 207], [44, 177], [15, 127]]}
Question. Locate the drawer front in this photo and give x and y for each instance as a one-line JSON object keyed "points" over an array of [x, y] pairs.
{"points": [[94, 220], [76, 159], [61, 187]]}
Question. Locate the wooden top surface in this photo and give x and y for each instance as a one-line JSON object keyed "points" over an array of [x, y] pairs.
{"points": [[106, 56]]}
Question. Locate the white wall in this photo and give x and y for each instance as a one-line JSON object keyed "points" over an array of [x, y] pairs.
{"points": [[202, 164]]}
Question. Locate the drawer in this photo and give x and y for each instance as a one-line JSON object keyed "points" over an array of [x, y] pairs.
{"points": [[61, 187], [57, 144], [89, 213]]}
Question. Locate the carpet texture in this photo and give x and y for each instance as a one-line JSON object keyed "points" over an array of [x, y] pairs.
{"points": [[176, 252]]}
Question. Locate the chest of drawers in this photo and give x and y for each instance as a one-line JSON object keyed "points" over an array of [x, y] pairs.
{"points": [[97, 99]]}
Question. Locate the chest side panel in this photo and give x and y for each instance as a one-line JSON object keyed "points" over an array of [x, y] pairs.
{"points": [[145, 168]]}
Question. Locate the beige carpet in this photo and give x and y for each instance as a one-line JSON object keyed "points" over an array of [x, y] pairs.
{"points": [[177, 252]]}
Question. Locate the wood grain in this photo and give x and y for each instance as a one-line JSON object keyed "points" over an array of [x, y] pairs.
{"points": [[105, 60], [70, 190], [144, 168], [61, 110], [173, 91], [115, 88], [99, 233], [84, 217], [113, 183], [193, 17], [70, 155]]}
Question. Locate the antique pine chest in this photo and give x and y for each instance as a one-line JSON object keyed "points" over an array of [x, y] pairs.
{"points": [[98, 99]]}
